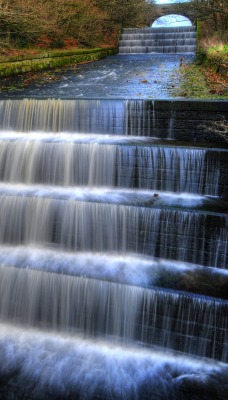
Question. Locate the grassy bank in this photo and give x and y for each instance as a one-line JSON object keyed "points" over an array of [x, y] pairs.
{"points": [[207, 77]]}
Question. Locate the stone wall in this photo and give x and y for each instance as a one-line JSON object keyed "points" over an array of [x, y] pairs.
{"points": [[18, 64], [183, 120], [197, 122]]}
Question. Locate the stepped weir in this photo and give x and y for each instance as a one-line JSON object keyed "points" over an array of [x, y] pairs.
{"points": [[158, 40], [113, 250]]}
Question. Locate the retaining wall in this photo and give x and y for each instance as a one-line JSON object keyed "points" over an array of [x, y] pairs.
{"points": [[19, 64]]}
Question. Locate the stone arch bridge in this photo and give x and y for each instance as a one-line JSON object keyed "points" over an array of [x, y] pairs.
{"points": [[168, 9]]}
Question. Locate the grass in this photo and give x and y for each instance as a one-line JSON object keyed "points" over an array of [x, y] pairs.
{"points": [[220, 48], [192, 82], [207, 77]]}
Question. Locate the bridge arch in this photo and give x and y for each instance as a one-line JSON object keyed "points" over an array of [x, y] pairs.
{"points": [[169, 9], [171, 20]]}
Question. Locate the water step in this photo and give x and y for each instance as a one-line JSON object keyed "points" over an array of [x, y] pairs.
{"points": [[179, 321], [64, 159], [130, 269], [166, 48], [125, 197], [182, 120], [94, 369], [158, 40], [153, 35], [183, 234], [161, 30], [100, 263]]}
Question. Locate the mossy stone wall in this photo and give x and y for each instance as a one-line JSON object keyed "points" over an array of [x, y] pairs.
{"points": [[23, 63]]}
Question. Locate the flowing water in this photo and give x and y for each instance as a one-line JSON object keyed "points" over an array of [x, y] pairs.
{"points": [[124, 75], [113, 255], [63, 160], [158, 40]]}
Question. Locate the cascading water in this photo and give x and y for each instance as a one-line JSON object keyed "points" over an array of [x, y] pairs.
{"points": [[158, 40], [61, 160], [113, 254]]}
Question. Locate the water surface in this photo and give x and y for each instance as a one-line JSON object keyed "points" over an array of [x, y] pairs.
{"points": [[126, 76]]}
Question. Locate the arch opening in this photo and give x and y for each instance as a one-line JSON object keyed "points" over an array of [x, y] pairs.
{"points": [[171, 20]]}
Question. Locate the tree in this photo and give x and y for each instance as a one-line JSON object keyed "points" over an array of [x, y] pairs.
{"points": [[82, 20], [22, 21], [128, 13], [219, 128], [213, 11], [49, 22]]}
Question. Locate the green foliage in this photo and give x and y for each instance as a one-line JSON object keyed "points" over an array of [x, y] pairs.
{"points": [[218, 49], [57, 43], [53, 58], [192, 83], [197, 81]]}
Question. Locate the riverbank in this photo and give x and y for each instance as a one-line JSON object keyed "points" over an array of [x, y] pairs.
{"points": [[29, 62], [207, 77], [82, 73]]}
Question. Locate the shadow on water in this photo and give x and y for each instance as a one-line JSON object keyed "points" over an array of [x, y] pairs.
{"points": [[126, 76]]}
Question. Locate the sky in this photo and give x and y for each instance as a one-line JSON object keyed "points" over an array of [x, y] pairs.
{"points": [[169, 1], [171, 20]]}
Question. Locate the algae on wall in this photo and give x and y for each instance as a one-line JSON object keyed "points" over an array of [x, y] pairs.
{"points": [[19, 64]]}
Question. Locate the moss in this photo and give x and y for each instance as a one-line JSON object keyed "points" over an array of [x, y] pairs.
{"points": [[198, 29], [215, 57], [56, 58]]}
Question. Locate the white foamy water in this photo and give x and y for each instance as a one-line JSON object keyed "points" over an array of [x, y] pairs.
{"points": [[106, 195], [54, 365], [111, 310], [129, 269], [90, 224], [79, 258], [81, 159]]}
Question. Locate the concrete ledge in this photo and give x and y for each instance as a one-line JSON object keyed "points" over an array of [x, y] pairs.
{"points": [[58, 58]]}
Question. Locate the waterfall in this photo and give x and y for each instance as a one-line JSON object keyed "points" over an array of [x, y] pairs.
{"points": [[61, 160], [158, 40], [113, 249], [82, 225], [98, 308], [60, 116]]}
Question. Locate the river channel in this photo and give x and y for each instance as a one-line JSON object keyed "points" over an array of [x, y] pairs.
{"points": [[127, 76]]}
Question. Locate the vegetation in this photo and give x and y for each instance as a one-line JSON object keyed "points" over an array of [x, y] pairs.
{"points": [[208, 76], [198, 81], [58, 23], [29, 26], [213, 12]]}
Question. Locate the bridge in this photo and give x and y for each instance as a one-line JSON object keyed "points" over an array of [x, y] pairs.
{"points": [[168, 9]]}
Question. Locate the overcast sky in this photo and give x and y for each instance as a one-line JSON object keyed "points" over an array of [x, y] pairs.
{"points": [[169, 1], [171, 20]]}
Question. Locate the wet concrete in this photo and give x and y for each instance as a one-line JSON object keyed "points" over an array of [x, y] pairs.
{"points": [[127, 76]]}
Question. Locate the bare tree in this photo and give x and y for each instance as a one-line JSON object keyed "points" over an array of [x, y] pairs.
{"points": [[22, 21], [213, 11], [128, 13], [219, 128]]}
